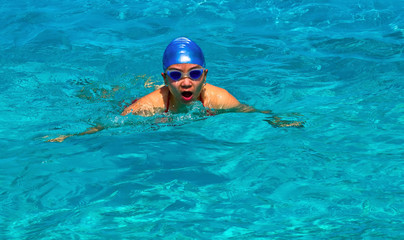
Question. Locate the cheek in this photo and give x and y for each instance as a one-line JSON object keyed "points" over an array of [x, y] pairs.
{"points": [[173, 87], [200, 86]]}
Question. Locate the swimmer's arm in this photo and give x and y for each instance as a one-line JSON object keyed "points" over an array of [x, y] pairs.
{"points": [[141, 107], [225, 102], [275, 121], [231, 101], [219, 98], [131, 109], [92, 130], [278, 122], [148, 105]]}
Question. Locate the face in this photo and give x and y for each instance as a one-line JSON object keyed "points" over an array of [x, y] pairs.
{"points": [[185, 89]]}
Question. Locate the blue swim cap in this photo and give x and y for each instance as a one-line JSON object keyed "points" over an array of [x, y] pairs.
{"points": [[182, 50]]}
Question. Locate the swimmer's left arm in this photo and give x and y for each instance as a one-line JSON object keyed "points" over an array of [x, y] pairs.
{"points": [[230, 102], [275, 121], [278, 122], [219, 98]]}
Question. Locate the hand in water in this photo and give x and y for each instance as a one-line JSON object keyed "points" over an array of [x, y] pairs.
{"points": [[277, 122], [61, 138]]}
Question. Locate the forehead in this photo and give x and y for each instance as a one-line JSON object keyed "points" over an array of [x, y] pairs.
{"points": [[184, 66]]}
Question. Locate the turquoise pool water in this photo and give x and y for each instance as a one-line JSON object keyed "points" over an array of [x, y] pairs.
{"points": [[337, 65]]}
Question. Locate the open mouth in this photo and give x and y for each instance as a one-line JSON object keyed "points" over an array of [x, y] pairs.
{"points": [[186, 95]]}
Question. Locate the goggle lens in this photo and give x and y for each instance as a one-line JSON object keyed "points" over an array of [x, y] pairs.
{"points": [[194, 74], [175, 75]]}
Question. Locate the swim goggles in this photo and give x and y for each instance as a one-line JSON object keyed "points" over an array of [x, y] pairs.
{"points": [[194, 74]]}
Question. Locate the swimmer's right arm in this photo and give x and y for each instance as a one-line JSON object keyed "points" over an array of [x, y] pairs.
{"points": [[148, 105], [128, 110], [92, 130], [142, 107], [138, 108]]}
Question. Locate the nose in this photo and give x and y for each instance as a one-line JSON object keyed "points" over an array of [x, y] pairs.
{"points": [[186, 82]]}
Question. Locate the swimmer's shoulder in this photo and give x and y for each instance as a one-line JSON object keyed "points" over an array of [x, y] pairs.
{"points": [[218, 98], [149, 104]]}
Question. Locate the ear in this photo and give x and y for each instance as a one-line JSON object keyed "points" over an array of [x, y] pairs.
{"points": [[206, 73], [164, 77]]}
